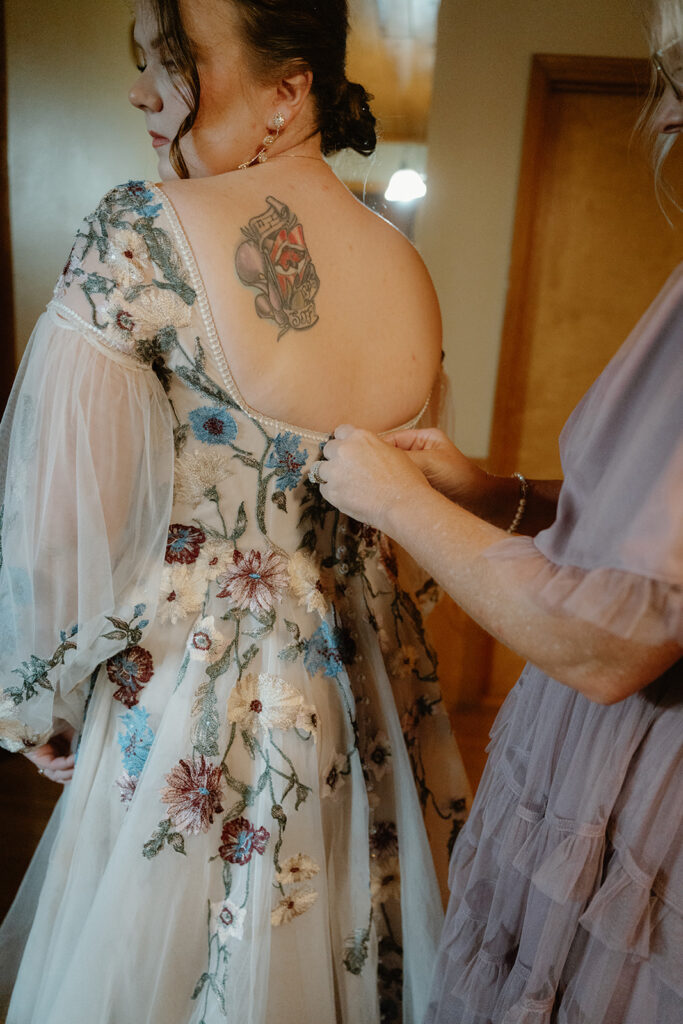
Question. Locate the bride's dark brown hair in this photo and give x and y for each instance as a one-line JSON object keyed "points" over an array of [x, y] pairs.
{"points": [[281, 36]]}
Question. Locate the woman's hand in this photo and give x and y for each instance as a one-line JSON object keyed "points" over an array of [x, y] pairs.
{"points": [[445, 467], [54, 759], [366, 478]]}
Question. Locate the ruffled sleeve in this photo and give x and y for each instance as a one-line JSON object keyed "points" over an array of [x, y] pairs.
{"points": [[614, 555], [86, 453]]}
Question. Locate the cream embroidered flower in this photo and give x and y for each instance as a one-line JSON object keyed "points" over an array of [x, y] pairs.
{"points": [[306, 583], [13, 733], [289, 907], [379, 755], [214, 558], [264, 702], [334, 775], [206, 643], [297, 869], [127, 785], [403, 662], [197, 474], [128, 257], [385, 880], [141, 319], [308, 721], [228, 920], [182, 592]]}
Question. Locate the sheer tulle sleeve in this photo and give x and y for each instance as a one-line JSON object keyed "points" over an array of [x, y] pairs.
{"points": [[614, 555], [86, 448]]}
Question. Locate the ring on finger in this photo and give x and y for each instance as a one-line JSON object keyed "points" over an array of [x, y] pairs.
{"points": [[314, 474]]}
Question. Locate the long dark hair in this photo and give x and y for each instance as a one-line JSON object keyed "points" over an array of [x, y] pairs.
{"points": [[281, 36]]}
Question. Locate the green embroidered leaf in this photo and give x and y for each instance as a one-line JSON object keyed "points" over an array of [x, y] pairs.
{"points": [[267, 622], [240, 524], [116, 634], [249, 655], [156, 841], [247, 460], [119, 623], [199, 356], [250, 744], [180, 437], [290, 653], [301, 794], [177, 841], [200, 985], [205, 730], [279, 498], [308, 541], [293, 629]]}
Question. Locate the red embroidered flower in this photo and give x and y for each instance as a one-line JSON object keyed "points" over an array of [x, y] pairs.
{"points": [[193, 794], [241, 840], [184, 543], [130, 671], [255, 581]]}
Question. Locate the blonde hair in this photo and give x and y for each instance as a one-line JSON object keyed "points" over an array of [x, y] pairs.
{"points": [[663, 21]]}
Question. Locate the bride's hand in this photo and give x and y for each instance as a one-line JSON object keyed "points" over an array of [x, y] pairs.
{"points": [[54, 759], [365, 477]]}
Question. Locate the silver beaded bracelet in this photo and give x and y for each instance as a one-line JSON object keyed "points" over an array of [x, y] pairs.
{"points": [[521, 507]]}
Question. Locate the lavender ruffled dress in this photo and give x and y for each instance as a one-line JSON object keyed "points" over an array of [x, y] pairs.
{"points": [[567, 882]]}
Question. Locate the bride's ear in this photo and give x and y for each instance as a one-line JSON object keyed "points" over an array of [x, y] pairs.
{"points": [[291, 92]]}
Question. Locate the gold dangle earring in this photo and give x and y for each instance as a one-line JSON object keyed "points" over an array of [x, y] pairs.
{"points": [[273, 130]]}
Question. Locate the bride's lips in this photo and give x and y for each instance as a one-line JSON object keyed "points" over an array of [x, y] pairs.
{"points": [[159, 140]]}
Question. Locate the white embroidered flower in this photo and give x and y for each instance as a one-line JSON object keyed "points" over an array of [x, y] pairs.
{"points": [[403, 662], [255, 580], [141, 319], [264, 702], [308, 721], [228, 920], [199, 472], [334, 775], [297, 869], [379, 755], [12, 731], [289, 907], [306, 583], [206, 643], [128, 258], [385, 880], [127, 785], [182, 592], [214, 558]]}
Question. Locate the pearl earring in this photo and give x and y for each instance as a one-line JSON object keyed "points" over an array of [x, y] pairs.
{"points": [[277, 123]]}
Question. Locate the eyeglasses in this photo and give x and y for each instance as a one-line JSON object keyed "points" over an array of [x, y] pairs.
{"points": [[668, 63]]}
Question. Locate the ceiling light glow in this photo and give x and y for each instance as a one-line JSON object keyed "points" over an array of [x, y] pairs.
{"points": [[405, 186]]}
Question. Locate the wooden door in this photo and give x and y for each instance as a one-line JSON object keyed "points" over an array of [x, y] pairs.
{"points": [[591, 250]]}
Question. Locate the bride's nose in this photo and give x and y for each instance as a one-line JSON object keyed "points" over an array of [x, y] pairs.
{"points": [[143, 94]]}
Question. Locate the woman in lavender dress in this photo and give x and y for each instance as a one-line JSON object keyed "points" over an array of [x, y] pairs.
{"points": [[567, 882]]}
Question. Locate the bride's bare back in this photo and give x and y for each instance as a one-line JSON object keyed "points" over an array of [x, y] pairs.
{"points": [[325, 312]]}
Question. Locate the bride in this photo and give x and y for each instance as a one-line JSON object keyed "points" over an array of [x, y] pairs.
{"points": [[258, 754]]}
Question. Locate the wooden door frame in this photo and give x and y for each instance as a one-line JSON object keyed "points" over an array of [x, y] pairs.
{"points": [[550, 73], [7, 350]]}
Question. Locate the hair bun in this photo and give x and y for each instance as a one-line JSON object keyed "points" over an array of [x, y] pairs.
{"points": [[348, 123]]}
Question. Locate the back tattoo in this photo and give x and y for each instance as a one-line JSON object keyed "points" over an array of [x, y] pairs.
{"points": [[274, 260]]}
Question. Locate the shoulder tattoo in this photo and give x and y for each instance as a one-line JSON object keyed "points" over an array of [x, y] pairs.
{"points": [[273, 259]]}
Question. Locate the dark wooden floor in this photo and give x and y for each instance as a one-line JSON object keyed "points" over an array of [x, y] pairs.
{"points": [[27, 799]]}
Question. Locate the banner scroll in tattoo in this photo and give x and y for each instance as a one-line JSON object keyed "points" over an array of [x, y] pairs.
{"points": [[274, 259]]}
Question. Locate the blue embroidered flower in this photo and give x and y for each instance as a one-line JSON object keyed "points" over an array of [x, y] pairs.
{"points": [[135, 740], [328, 650], [141, 198], [213, 425], [287, 459]]}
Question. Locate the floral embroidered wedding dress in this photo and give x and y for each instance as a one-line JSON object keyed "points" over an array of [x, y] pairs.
{"points": [[261, 737]]}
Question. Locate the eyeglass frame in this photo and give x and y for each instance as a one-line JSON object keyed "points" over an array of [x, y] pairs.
{"points": [[676, 89]]}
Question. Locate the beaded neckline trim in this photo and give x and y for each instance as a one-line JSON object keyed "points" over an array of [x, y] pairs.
{"points": [[216, 348]]}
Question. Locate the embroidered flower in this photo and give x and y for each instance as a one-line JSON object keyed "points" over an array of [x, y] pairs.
{"points": [[228, 920], [130, 671], [383, 840], [287, 459], [13, 733], [306, 584], [135, 195], [297, 869], [289, 907], [206, 643], [140, 319], [128, 257], [264, 702], [198, 473], [193, 794], [182, 592], [255, 580], [328, 650], [334, 776], [356, 951], [213, 424], [215, 558], [127, 785], [379, 755], [428, 596], [385, 880], [241, 841], [403, 662], [135, 739], [387, 558], [308, 721], [184, 543]]}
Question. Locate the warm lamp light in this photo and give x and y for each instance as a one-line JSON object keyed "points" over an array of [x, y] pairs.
{"points": [[405, 186]]}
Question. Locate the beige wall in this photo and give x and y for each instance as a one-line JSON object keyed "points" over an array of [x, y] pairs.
{"points": [[72, 134], [477, 118]]}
